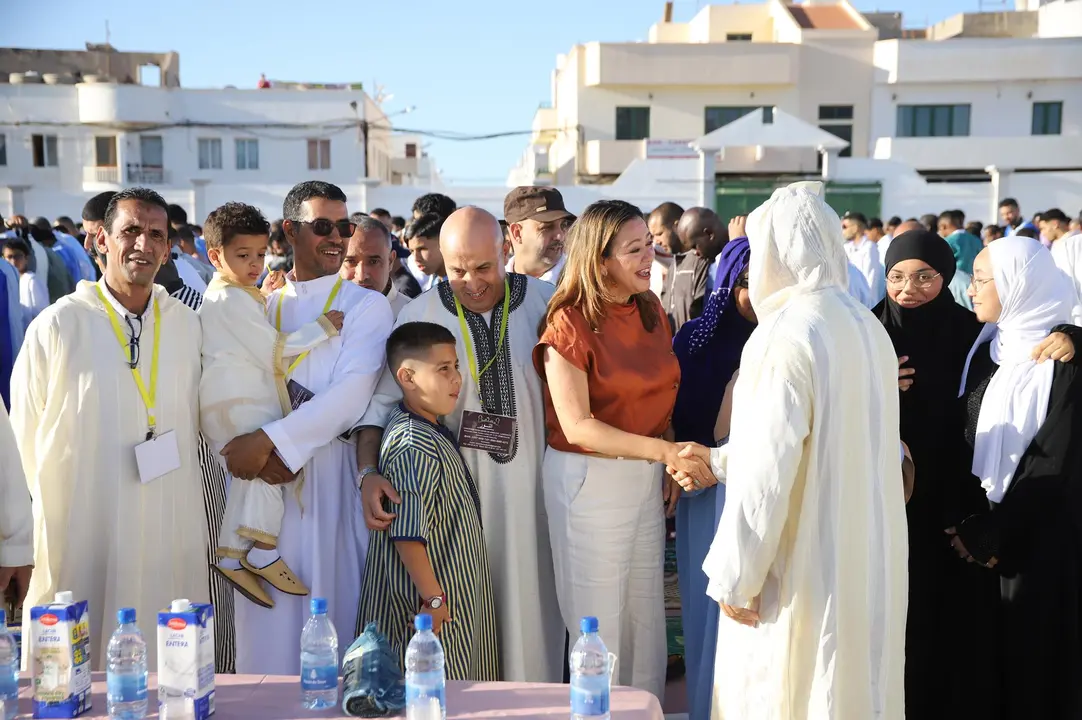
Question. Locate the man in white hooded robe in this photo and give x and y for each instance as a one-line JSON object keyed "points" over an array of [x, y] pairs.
{"points": [[811, 549]]}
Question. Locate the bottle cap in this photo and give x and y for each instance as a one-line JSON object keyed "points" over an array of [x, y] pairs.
{"points": [[319, 606], [64, 597], [182, 605], [125, 616], [422, 622], [588, 624]]}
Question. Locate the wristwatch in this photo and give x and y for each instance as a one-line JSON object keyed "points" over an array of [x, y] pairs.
{"points": [[365, 472], [435, 603]]}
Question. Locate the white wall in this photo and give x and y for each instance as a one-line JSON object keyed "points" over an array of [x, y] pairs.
{"points": [[227, 115]]}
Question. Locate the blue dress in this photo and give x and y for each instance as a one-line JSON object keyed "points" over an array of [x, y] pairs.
{"points": [[708, 349]]}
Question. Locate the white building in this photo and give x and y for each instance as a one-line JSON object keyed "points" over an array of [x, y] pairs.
{"points": [[62, 143], [410, 163], [977, 91]]}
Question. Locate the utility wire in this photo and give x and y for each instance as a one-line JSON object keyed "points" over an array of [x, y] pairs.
{"points": [[329, 128]]}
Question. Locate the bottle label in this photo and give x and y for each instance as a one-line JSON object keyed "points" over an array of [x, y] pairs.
{"points": [[319, 678], [125, 688], [586, 702]]}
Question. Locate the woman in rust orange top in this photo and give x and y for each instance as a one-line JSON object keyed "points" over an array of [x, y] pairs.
{"points": [[605, 356]]}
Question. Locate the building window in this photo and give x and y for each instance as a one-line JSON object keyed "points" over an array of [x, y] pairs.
{"points": [[838, 121], [737, 37], [411, 150], [210, 153], [247, 154], [1047, 118], [319, 154], [151, 151], [632, 123], [716, 117], [44, 147], [3, 150], [843, 131], [105, 151], [933, 120], [831, 113]]}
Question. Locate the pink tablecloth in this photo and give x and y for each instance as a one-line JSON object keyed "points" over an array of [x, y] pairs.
{"points": [[269, 697]]}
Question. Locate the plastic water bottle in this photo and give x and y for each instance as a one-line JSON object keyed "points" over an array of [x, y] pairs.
{"points": [[319, 660], [9, 671], [426, 683], [589, 674], [126, 677]]}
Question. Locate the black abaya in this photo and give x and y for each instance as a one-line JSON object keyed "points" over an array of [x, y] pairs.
{"points": [[1035, 533], [948, 600]]}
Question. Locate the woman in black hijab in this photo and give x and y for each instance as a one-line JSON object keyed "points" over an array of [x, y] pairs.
{"points": [[950, 668]]}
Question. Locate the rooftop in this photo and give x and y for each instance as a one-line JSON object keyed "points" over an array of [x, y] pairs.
{"points": [[823, 17]]}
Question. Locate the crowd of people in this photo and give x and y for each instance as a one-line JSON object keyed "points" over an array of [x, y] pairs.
{"points": [[859, 431]]}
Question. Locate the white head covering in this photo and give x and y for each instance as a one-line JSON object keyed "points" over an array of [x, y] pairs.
{"points": [[796, 247], [1036, 296]]}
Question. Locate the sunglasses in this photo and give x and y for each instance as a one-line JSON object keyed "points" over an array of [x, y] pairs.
{"points": [[324, 227], [742, 282]]}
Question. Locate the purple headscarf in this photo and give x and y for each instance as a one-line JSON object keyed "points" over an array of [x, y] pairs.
{"points": [[709, 348], [734, 261]]}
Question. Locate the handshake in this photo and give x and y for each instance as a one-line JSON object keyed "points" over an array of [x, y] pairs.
{"points": [[688, 464]]}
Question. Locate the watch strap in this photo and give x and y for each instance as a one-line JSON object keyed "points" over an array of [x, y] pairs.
{"points": [[365, 472]]}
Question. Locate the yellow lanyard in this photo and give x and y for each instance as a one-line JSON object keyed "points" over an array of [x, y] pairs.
{"points": [[326, 309], [470, 357], [149, 396]]}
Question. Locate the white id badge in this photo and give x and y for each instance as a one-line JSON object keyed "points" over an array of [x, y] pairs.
{"points": [[158, 456]]}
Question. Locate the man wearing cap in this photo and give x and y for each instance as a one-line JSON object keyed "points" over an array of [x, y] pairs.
{"points": [[537, 223], [1066, 251]]}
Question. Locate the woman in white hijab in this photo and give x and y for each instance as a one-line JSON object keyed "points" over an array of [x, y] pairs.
{"points": [[1023, 420], [809, 560]]}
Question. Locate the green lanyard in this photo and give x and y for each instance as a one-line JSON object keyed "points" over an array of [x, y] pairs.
{"points": [[470, 356]]}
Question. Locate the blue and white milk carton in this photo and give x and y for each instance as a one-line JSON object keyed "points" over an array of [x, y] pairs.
{"points": [[59, 648], [186, 660]]}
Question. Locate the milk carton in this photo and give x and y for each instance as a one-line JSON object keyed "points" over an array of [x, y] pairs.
{"points": [[186, 661], [60, 657]]}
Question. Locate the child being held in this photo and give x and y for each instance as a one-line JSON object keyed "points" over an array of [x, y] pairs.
{"points": [[432, 559], [243, 388]]}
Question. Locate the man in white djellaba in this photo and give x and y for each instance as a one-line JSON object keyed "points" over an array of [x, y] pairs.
{"points": [[323, 538], [105, 408], [494, 316], [809, 560]]}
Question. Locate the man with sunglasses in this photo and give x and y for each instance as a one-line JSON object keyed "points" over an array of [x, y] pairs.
{"points": [[105, 410], [323, 536]]}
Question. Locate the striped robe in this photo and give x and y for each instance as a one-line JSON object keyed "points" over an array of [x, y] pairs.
{"points": [[440, 508], [215, 483]]}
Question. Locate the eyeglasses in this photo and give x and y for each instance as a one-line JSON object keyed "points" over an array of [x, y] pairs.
{"points": [[921, 280], [978, 285], [324, 227], [135, 328]]}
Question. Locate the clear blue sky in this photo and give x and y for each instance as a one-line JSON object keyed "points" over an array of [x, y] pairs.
{"points": [[473, 66]]}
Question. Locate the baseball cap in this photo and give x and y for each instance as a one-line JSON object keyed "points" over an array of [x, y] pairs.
{"points": [[543, 204]]}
